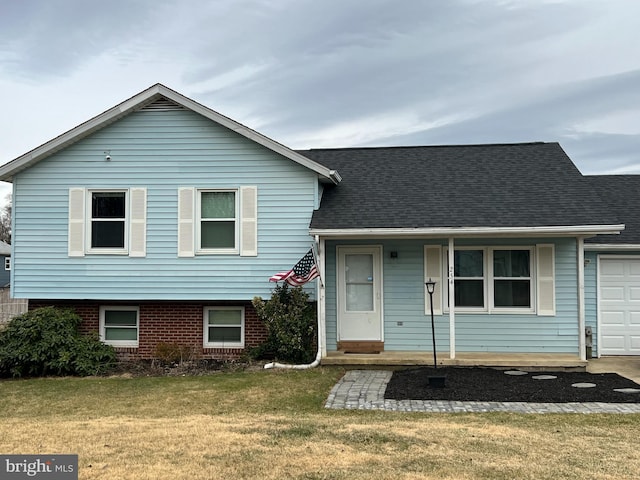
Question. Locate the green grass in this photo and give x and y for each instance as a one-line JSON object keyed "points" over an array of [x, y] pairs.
{"points": [[273, 425], [223, 393]]}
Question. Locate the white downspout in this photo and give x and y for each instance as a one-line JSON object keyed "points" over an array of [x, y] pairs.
{"points": [[321, 309], [452, 303], [581, 307], [306, 366]]}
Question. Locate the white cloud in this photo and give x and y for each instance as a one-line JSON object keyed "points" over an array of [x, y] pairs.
{"points": [[623, 122], [334, 73]]}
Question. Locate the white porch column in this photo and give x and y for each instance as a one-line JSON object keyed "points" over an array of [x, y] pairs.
{"points": [[322, 307], [582, 348], [452, 314]]}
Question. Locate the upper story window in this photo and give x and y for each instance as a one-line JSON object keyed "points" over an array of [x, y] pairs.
{"points": [[108, 220], [7, 263], [217, 221], [220, 221]]}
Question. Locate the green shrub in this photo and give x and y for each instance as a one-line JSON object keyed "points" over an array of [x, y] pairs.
{"points": [[290, 320], [46, 341]]}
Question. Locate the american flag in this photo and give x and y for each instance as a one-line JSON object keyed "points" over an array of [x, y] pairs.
{"points": [[302, 272]]}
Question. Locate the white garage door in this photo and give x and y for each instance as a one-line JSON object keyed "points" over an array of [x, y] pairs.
{"points": [[619, 306]]}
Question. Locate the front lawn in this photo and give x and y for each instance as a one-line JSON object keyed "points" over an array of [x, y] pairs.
{"points": [[272, 425]]}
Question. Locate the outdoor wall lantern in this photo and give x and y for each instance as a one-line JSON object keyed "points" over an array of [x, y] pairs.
{"points": [[439, 380]]}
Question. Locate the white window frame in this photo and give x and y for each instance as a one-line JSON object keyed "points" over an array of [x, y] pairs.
{"points": [[7, 263], [236, 231], [211, 344], [79, 222], [119, 343], [489, 278], [484, 279], [89, 212], [530, 278], [247, 214]]}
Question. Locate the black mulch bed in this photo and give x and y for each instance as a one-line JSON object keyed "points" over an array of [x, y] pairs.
{"points": [[492, 385]]}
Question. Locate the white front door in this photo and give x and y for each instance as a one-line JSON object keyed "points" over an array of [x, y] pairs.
{"points": [[359, 294], [619, 306]]}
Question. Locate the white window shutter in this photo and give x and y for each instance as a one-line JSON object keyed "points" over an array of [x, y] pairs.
{"points": [[76, 222], [138, 222], [249, 221], [186, 221], [545, 271], [433, 271]]}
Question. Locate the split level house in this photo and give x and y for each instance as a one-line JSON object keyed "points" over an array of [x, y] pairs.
{"points": [[159, 220]]}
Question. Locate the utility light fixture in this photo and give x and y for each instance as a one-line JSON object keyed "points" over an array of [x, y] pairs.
{"points": [[435, 381]]}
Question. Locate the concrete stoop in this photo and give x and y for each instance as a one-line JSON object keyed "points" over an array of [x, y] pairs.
{"points": [[528, 361]]}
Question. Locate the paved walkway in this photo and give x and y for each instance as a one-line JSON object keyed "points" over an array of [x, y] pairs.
{"points": [[364, 390]]}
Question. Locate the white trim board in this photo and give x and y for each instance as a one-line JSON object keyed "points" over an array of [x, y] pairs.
{"points": [[446, 232]]}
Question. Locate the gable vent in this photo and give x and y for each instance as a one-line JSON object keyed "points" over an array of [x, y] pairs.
{"points": [[162, 104]]}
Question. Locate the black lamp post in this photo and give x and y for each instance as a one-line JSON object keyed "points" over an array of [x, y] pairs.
{"points": [[431, 286], [436, 381]]}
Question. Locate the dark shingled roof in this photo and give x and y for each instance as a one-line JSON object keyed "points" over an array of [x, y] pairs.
{"points": [[501, 185], [621, 194]]}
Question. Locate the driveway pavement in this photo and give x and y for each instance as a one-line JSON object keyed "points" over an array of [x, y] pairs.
{"points": [[628, 367]]}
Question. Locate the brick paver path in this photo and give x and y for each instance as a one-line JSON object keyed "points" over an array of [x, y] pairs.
{"points": [[364, 390]]}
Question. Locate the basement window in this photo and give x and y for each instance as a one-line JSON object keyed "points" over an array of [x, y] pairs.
{"points": [[119, 325], [224, 327]]}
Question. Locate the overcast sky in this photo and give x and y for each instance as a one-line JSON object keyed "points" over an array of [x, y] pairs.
{"points": [[312, 73]]}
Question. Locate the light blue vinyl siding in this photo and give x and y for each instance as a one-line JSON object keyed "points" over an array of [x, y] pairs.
{"points": [[404, 302], [403, 287], [162, 151]]}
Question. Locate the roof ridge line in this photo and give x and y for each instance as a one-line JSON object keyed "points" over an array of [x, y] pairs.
{"points": [[389, 147]]}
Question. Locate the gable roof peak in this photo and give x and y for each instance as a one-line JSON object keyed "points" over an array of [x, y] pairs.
{"points": [[144, 99]]}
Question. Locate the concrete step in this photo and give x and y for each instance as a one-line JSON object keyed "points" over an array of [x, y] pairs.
{"points": [[527, 361]]}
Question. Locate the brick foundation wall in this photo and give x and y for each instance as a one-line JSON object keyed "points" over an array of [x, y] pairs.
{"points": [[179, 324]]}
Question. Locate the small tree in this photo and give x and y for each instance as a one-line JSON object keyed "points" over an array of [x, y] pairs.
{"points": [[290, 320], [46, 341], [5, 221]]}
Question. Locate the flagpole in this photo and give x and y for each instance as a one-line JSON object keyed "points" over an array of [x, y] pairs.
{"points": [[315, 259]]}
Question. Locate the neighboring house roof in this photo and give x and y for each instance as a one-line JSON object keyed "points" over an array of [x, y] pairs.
{"points": [[621, 195], [139, 101], [5, 248], [459, 188]]}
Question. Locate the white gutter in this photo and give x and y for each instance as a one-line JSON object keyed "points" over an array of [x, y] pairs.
{"points": [[321, 306], [572, 230], [623, 247]]}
